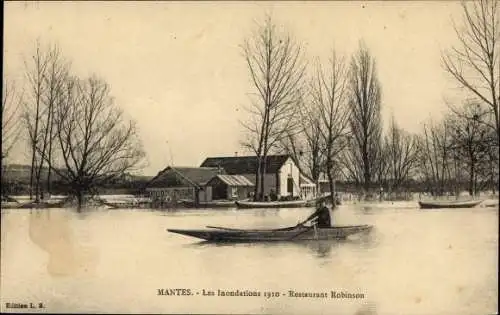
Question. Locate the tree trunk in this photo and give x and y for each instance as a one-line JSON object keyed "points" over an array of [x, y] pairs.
{"points": [[79, 199], [263, 178], [331, 184], [257, 181], [32, 172], [49, 154], [472, 180]]}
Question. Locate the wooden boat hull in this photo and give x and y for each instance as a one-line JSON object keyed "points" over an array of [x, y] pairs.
{"points": [[285, 234], [208, 204], [272, 204], [10, 205], [447, 204], [127, 205], [491, 205], [43, 205], [114, 205]]}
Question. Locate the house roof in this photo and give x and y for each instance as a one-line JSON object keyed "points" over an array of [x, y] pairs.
{"points": [[194, 176], [235, 180], [245, 164]]}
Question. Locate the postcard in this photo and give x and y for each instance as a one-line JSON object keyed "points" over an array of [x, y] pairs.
{"points": [[248, 157]]}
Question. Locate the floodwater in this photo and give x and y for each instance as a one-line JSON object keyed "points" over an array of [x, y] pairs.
{"points": [[413, 262]]}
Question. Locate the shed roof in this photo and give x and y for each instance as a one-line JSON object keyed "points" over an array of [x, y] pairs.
{"points": [[193, 176], [235, 180], [245, 164]]}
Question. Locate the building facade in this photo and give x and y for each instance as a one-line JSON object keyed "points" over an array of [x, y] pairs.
{"points": [[282, 176], [177, 183], [230, 187], [308, 188]]}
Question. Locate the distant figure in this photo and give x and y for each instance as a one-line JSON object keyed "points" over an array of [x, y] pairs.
{"points": [[322, 215], [273, 195], [337, 200]]}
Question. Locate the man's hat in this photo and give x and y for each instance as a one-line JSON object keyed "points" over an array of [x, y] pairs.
{"points": [[320, 201]]}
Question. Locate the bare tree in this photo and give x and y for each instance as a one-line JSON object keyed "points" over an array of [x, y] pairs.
{"points": [[329, 94], [434, 156], [11, 128], [57, 73], [305, 147], [96, 143], [364, 119], [11, 104], [472, 146], [46, 73], [36, 70], [401, 148], [473, 63], [276, 65]]}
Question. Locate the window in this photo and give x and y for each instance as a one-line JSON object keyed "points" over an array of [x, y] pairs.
{"points": [[234, 192]]}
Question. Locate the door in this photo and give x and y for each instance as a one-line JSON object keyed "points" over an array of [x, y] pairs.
{"points": [[289, 185]]}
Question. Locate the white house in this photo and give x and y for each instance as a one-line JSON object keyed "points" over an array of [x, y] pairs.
{"points": [[282, 176]]}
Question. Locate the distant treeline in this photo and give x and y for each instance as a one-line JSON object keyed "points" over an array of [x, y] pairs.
{"points": [[327, 114], [16, 181]]}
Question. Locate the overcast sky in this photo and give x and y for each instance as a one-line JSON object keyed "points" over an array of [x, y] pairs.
{"points": [[178, 70]]}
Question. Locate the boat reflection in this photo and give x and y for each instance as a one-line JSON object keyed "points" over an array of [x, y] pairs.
{"points": [[319, 248]]}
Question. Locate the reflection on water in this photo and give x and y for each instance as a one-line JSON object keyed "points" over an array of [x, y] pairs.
{"points": [[51, 231], [320, 249], [412, 262]]}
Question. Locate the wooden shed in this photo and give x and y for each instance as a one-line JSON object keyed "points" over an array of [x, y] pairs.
{"points": [[230, 187], [179, 183]]}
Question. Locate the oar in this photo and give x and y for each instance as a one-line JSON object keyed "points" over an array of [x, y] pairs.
{"points": [[307, 229], [223, 228], [249, 230]]}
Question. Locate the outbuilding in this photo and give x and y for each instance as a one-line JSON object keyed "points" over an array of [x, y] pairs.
{"points": [[230, 187]]}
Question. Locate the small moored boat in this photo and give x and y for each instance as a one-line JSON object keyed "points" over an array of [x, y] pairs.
{"points": [[272, 204], [295, 233], [209, 204], [127, 205], [10, 205], [448, 204], [44, 204], [119, 205]]}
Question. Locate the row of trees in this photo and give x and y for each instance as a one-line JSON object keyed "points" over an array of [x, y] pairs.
{"points": [[329, 122], [464, 145], [74, 131], [328, 116]]}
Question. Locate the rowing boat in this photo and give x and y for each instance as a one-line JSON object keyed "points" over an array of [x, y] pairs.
{"points": [[10, 205], [296, 233], [127, 204], [271, 204], [120, 205], [208, 204], [448, 204], [44, 204]]}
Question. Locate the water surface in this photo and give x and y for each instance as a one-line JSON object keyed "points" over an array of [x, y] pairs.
{"points": [[413, 262]]}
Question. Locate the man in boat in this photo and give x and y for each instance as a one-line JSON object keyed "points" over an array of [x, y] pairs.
{"points": [[321, 215]]}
